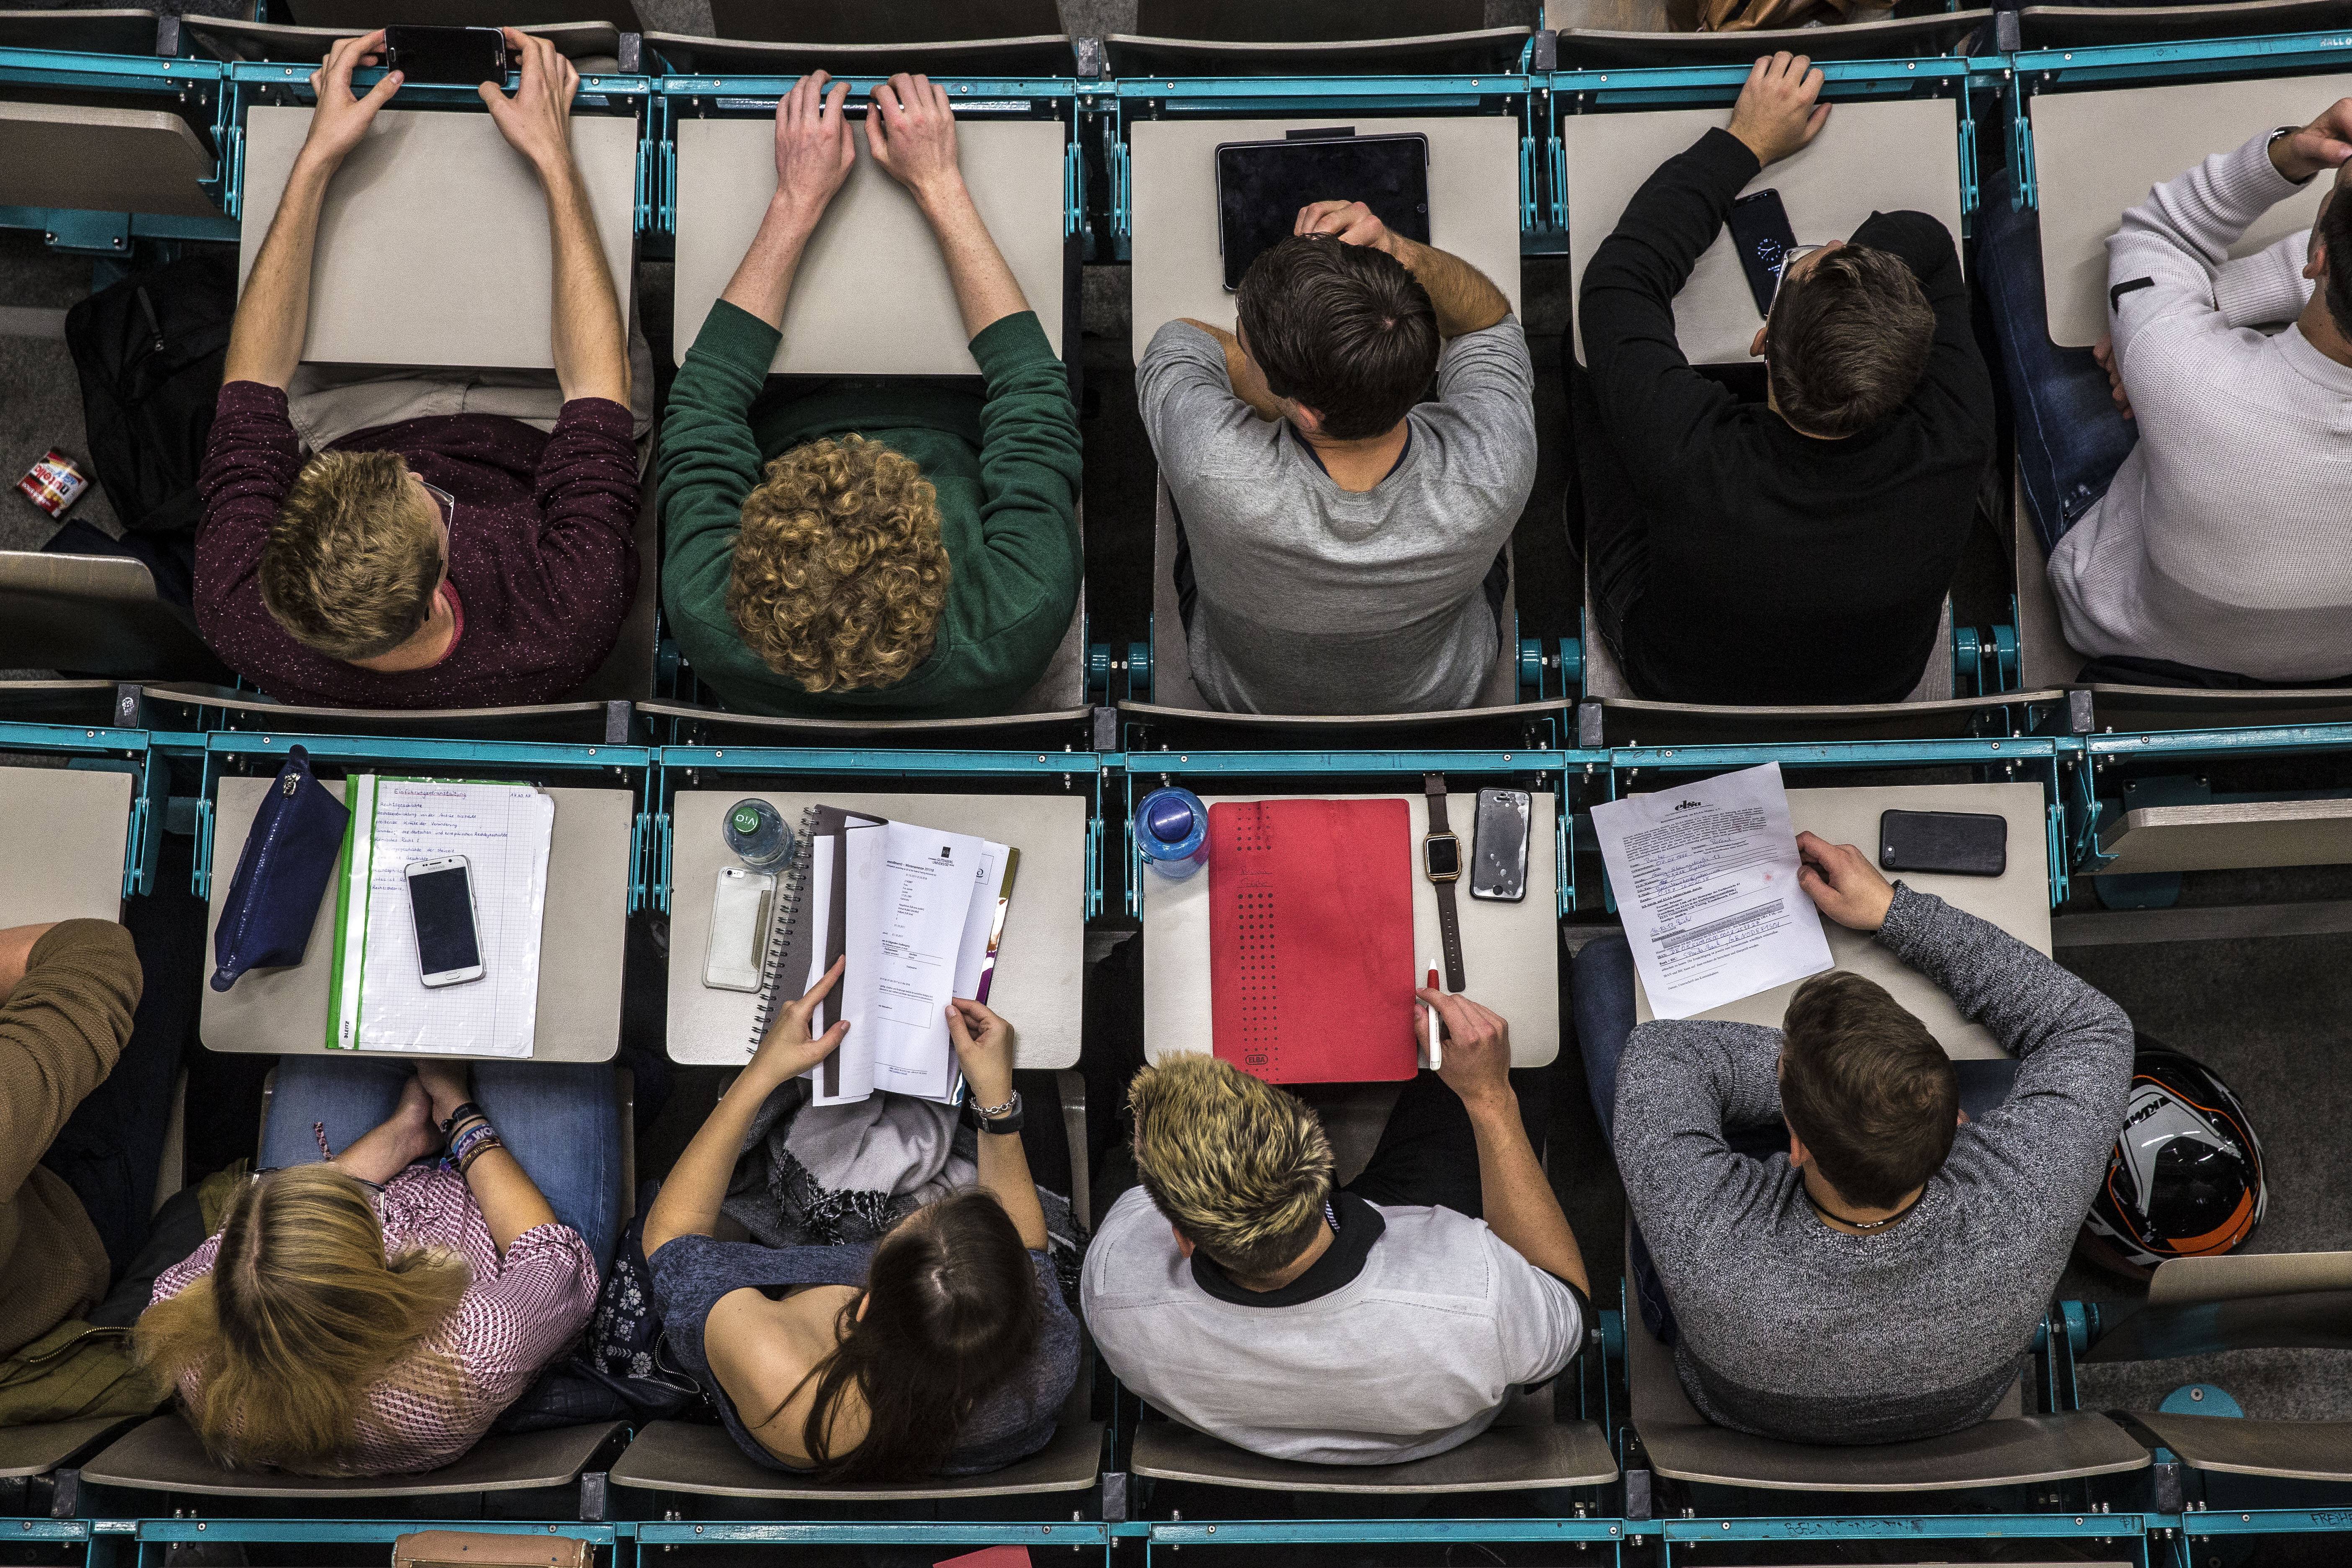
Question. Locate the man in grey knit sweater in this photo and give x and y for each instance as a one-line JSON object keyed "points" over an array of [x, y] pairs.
{"points": [[1880, 1280]]}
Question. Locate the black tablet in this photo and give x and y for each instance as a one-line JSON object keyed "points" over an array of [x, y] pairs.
{"points": [[1261, 185]]}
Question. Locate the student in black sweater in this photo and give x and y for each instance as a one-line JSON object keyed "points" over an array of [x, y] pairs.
{"points": [[1799, 551]]}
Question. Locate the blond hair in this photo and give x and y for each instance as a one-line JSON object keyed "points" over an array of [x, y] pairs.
{"points": [[1240, 1167], [353, 561], [301, 1318], [839, 576]]}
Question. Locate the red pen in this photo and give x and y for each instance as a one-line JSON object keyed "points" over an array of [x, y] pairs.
{"points": [[1437, 1052]]}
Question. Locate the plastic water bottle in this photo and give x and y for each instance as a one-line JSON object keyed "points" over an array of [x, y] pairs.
{"points": [[756, 832], [1172, 826]]}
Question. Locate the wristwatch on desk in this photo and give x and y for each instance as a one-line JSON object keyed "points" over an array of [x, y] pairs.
{"points": [[1440, 862]]}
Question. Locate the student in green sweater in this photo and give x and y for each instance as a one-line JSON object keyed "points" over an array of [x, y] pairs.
{"points": [[910, 551]]}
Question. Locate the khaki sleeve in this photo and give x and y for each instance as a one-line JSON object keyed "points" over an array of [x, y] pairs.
{"points": [[60, 1031]]}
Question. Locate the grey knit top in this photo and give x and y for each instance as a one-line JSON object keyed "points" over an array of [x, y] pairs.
{"points": [[1793, 1330]]}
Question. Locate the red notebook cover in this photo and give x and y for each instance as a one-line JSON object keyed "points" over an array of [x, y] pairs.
{"points": [[1310, 939]]}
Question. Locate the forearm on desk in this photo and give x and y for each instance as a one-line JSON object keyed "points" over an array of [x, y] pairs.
{"points": [[588, 335], [985, 289], [273, 315], [763, 280]]}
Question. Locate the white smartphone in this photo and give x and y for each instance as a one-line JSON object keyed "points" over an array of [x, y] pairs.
{"points": [[739, 928], [441, 905]]}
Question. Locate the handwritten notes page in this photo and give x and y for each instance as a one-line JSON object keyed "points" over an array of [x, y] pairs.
{"points": [[382, 1003], [1705, 879]]}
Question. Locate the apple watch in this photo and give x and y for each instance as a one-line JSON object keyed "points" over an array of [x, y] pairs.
{"points": [[1440, 862]]}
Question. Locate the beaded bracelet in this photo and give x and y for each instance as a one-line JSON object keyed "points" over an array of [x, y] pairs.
{"points": [[476, 1149], [469, 1139]]}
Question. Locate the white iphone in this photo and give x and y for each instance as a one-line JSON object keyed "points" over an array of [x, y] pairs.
{"points": [[739, 928], [441, 905]]}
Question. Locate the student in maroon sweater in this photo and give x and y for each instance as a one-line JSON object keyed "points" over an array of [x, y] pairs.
{"points": [[456, 559]]}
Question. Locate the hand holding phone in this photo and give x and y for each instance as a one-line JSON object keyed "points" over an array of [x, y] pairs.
{"points": [[459, 57]]}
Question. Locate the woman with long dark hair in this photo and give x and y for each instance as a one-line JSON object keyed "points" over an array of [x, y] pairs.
{"points": [[944, 1348]]}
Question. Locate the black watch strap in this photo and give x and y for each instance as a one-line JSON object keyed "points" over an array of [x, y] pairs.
{"points": [[1449, 923]]}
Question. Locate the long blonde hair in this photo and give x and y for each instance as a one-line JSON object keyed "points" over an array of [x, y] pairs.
{"points": [[301, 1316]]}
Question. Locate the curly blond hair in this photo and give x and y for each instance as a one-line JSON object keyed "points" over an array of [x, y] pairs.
{"points": [[1239, 1166], [839, 576]]}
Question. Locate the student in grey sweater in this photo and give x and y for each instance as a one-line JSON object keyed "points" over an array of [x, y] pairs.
{"points": [[2218, 543], [1340, 541], [1238, 1291], [1882, 1280]]}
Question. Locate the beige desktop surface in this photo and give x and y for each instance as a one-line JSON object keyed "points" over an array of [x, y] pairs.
{"points": [[1178, 270], [68, 829], [1828, 190], [2095, 155], [1510, 952], [1039, 968], [872, 295], [2018, 900], [433, 246], [102, 160], [283, 1012]]}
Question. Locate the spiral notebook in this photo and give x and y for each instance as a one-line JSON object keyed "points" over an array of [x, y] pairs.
{"points": [[918, 915]]}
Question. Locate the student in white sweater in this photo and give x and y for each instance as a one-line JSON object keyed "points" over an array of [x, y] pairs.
{"points": [[2221, 542]]}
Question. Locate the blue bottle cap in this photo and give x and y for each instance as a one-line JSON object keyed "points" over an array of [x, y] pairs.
{"points": [[1170, 817]]}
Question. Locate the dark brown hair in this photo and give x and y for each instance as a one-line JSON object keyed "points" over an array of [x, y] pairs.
{"points": [[1847, 340], [2335, 233], [951, 1313], [1343, 328], [1867, 1087]]}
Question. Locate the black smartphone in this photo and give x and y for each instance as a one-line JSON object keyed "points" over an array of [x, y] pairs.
{"points": [[1760, 232], [461, 57], [1499, 846], [1960, 843]]}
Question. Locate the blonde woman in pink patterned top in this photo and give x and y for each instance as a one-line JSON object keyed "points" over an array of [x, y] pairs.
{"points": [[369, 1315]]}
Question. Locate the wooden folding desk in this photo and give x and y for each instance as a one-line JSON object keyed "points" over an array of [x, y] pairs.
{"points": [[2018, 900], [433, 243], [1870, 157], [283, 1012], [1510, 952], [1473, 205], [2096, 154], [68, 829], [872, 295], [1040, 967]]}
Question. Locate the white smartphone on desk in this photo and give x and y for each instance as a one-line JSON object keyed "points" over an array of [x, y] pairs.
{"points": [[739, 928], [441, 907]]}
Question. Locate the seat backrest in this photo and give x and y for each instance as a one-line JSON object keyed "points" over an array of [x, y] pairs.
{"points": [[2077, 27], [2227, 835], [2303, 1320], [229, 39], [94, 614], [64, 701], [1041, 55], [699, 726], [2232, 1276], [123, 32], [1306, 21], [1434, 54], [2132, 709], [591, 723], [1897, 38], [103, 160], [1629, 721], [364, 14], [883, 21]]}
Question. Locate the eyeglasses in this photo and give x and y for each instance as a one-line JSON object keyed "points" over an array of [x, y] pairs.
{"points": [[442, 499], [1789, 258]]}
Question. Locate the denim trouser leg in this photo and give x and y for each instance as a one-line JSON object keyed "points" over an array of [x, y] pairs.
{"points": [[2070, 438], [1601, 983], [561, 1121]]}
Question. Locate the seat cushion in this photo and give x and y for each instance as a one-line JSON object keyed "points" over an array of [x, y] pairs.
{"points": [[681, 1457], [1501, 1459], [164, 1454]]}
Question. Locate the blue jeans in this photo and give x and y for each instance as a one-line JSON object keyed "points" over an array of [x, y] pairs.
{"points": [[561, 1121], [2071, 438]]}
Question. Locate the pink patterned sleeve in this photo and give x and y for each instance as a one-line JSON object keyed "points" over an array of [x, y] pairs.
{"points": [[514, 1323], [186, 1272]]}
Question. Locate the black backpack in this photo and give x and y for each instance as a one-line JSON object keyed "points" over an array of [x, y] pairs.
{"points": [[149, 351]]}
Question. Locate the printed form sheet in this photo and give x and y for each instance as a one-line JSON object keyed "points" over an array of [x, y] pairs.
{"points": [[1705, 879], [909, 890]]}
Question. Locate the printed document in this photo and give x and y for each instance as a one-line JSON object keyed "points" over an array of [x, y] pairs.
{"points": [[1705, 879], [908, 892]]}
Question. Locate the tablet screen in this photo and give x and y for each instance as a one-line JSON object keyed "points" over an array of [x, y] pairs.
{"points": [[1261, 185]]}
